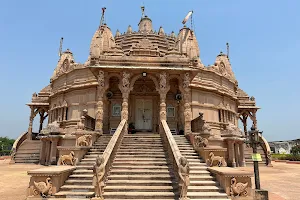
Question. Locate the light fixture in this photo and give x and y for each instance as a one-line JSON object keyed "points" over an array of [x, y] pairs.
{"points": [[144, 74]]}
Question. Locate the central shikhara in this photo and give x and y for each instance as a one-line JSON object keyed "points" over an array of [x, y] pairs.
{"points": [[148, 83]]}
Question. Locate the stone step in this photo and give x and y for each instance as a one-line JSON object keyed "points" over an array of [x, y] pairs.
{"points": [[203, 183], [152, 163], [214, 188], [117, 159], [141, 195], [133, 167], [139, 171], [141, 146], [64, 194], [83, 171], [27, 160], [146, 150], [139, 188], [78, 188], [88, 167], [79, 182], [141, 156], [81, 176], [207, 195], [141, 182], [146, 153], [140, 177], [201, 178]]}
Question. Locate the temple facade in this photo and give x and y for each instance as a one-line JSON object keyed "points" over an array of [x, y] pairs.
{"points": [[145, 76]]}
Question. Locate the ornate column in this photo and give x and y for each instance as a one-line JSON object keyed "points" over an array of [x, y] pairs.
{"points": [[242, 154], [53, 150], [102, 85], [31, 117], [231, 156], [187, 103], [47, 152], [125, 89], [42, 151], [41, 120], [163, 90]]}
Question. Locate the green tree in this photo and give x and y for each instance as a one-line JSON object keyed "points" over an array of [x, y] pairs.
{"points": [[6, 145]]}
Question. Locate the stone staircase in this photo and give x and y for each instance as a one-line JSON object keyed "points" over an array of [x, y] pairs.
{"points": [[202, 184], [79, 183], [248, 156], [28, 152], [141, 170]]}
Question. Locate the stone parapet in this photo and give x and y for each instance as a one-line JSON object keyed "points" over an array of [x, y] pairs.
{"points": [[235, 182], [56, 177]]}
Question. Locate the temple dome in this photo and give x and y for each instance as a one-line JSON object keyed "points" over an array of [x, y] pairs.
{"points": [[187, 44], [102, 41], [145, 25]]}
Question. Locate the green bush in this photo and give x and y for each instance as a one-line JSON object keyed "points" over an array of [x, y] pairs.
{"points": [[290, 157], [295, 150]]}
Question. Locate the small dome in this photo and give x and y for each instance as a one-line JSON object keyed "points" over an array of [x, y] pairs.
{"points": [[173, 34], [129, 30], [161, 31], [103, 40], [118, 33], [145, 25], [187, 43]]}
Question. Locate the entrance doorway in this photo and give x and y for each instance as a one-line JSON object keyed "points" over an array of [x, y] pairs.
{"points": [[143, 113]]}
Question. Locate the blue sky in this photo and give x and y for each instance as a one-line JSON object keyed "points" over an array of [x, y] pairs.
{"points": [[263, 37]]}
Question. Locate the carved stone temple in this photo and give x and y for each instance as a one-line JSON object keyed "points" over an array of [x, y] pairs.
{"points": [[147, 92]]}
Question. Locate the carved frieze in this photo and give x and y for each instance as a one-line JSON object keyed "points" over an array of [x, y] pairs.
{"points": [[43, 189], [238, 189]]}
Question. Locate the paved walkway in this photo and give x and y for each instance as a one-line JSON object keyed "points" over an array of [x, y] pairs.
{"points": [[282, 180]]}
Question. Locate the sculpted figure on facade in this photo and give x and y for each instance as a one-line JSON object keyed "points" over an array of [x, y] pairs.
{"points": [[42, 189], [99, 172], [84, 140], [163, 82], [184, 174], [186, 81], [124, 112], [200, 141], [238, 189], [80, 125], [125, 81], [216, 160], [163, 111], [65, 159], [101, 80]]}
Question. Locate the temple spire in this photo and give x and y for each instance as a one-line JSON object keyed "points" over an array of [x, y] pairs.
{"points": [[143, 11]]}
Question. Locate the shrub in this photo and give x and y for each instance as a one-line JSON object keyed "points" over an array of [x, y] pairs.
{"points": [[295, 150]]}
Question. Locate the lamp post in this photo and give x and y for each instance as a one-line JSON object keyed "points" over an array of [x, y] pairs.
{"points": [[253, 140]]}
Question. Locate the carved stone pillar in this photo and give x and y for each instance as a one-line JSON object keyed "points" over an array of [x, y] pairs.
{"points": [[42, 151], [102, 85], [42, 117], [31, 117], [187, 104], [231, 156], [221, 116], [53, 150], [236, 154], [242, 155], [47, 152]]}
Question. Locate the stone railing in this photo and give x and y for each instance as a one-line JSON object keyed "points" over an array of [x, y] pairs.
{"points": [[266, 147], [197, 124], [112, 147], [172, 148], [17, 143], [89, 122]]}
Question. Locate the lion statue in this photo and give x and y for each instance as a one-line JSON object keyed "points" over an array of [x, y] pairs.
{"points": [[212, 158], [200, 141], [64, 159], [84, 140]]}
